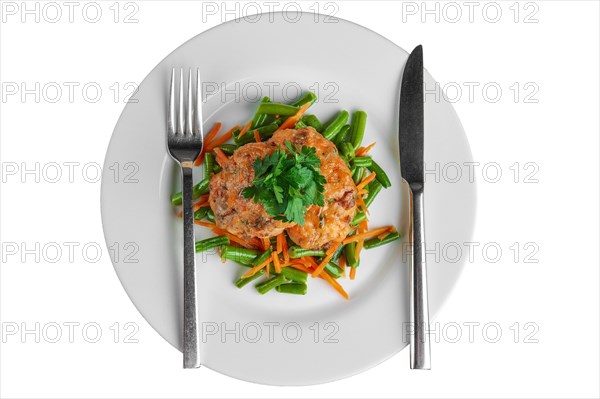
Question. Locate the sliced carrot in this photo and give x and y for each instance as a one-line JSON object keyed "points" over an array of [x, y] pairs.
{"points": [[300, 266], [362, 151], [352, 273], [276, 263], [365, 235], [256, 268], [366, 181], [361, 203], [221, 157], [383, 235], [222, 139], [257, 136], [334, 284], [362, 192], [292, 120], [280, 242], [266, 243], [330, 252], [245, 129], [284, 244], [213, 132]]}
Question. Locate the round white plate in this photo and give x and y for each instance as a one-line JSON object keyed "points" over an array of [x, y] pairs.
{"points": [[281, 339]]}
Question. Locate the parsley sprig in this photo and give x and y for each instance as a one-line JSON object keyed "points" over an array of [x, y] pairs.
{"points": [[287, 183]]}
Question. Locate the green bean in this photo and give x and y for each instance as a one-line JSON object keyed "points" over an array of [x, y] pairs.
{"points": [[334, 270], [268, 285], [263, 257], [375, 242], [347, 151], [364, 162], [381, 176], [297, 252], [350, 253], [357, 176], [374, 188], [199, 189], [228, 149], [210, 216], [265, 133], [201, 213], [243, 281], [294, 274], [335, 125], [342, 136], [242, 255], [338, 253], [207, 164], [277, 109], [217, 168], [357, 128], [210, 243], [359, 217], [308, 97], [292, 288], [259, 118], [312, 120]]}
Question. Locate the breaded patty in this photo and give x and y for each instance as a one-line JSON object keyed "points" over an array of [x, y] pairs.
{"points": [[233, 212], [330, 222], [245, 218]]}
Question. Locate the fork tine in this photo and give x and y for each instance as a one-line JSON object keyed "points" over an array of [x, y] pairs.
{"points": [[189, 127], [171, 116], [180, 110], [198, 109]]}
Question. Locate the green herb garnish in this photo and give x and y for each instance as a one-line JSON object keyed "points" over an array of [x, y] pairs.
{"points": [[286, 184]]}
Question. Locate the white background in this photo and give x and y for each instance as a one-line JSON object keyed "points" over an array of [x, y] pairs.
{"points": [[554, 58]]}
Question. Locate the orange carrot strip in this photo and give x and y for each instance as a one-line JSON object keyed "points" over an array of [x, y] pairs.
{"points": [[363, 192], [213, 132], [366, 181], [364, 236], [280, 242], [276, 263], [353, 272], [245, 129], [284, 244], [257, 136], [221, 157], [256, 268], [383, 235], [300, 266], [334, 284], [234, 238], [361, 203], [362, 151], [266, 243], [291, 121], [330, 252], [311, 261], [222, 139]]}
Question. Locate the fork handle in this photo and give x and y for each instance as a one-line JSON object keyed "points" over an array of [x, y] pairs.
{"points": [[191, 347], [419, 310]]}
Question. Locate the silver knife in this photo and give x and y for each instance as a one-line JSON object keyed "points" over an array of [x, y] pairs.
{"points": [[411, 166]]}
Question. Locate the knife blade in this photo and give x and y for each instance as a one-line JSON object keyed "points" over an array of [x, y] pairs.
{"points": [[411, 142]]}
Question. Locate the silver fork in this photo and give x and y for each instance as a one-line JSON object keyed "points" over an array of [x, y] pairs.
{"points": [[184, 141]]}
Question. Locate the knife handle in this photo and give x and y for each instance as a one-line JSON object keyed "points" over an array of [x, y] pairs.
{"points": [[419, 310]]}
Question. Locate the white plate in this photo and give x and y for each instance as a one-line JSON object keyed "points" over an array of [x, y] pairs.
{"points": [[350, 68]]}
